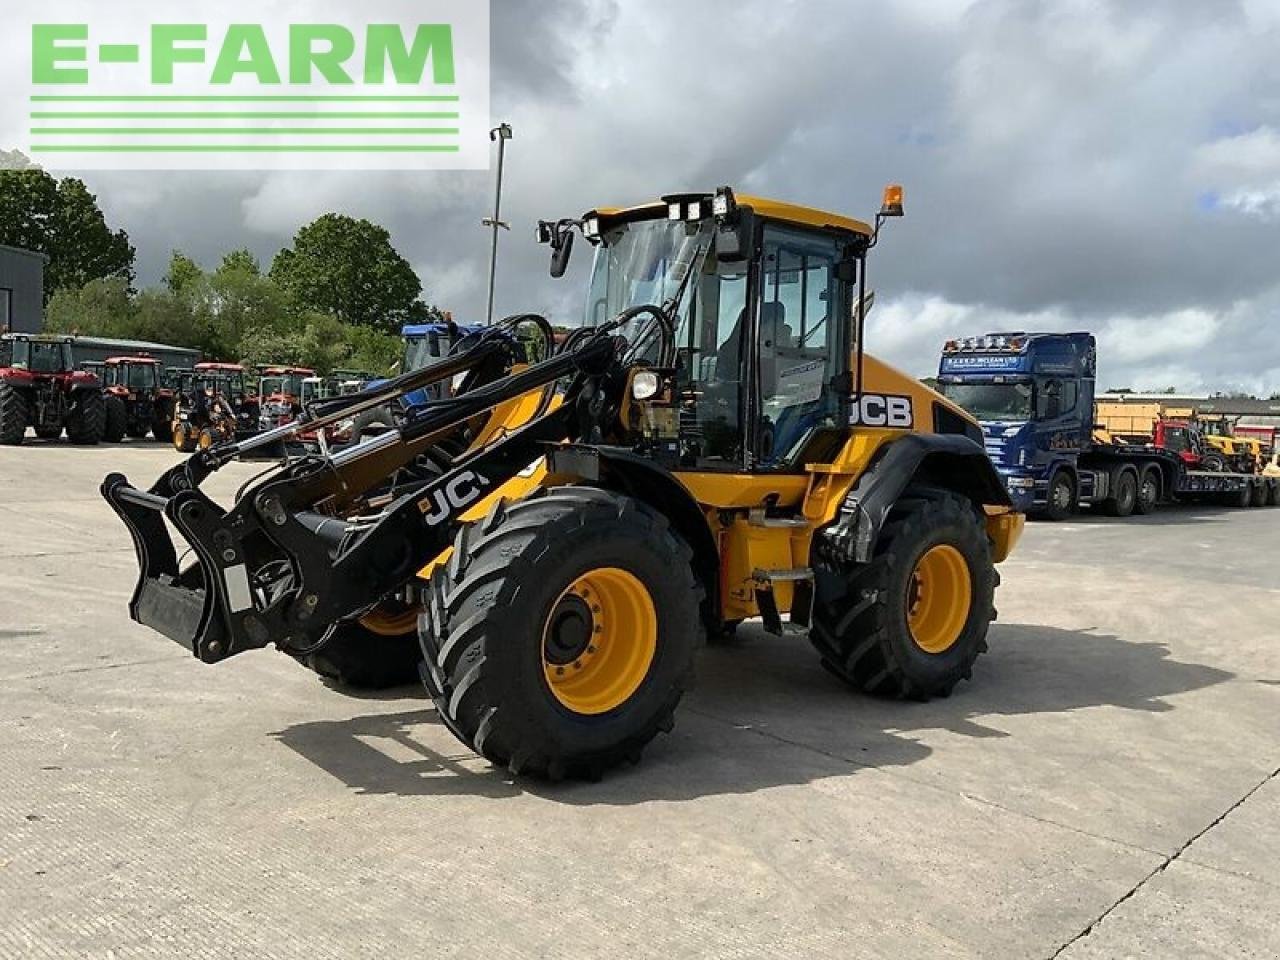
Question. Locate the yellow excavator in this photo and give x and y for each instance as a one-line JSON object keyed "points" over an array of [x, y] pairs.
{"points": [[549, 543]]}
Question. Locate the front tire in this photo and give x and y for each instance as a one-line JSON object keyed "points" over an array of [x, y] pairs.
{"points": [[561, 635], [1060, 500], [911, 622], [115, 420]]}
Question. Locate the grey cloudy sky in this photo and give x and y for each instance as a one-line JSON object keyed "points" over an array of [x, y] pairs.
{"points": [[1075, 164]]}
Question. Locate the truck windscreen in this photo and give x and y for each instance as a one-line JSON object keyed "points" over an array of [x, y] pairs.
{"points": [[991, 401]]}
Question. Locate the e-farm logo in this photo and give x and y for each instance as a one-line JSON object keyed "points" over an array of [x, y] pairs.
{"points": [[399, 84]]}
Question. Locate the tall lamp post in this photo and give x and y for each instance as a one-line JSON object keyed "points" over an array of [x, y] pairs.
{"points": [[501, 134]]}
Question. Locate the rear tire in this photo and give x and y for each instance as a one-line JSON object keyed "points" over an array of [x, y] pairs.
{"points": [[1273, 493], [115, 420], [561, 635], [864, 621], [86, 423], [15, 414], [1258, 493], [1060, 499], [1124, 496], [1148, 499]]}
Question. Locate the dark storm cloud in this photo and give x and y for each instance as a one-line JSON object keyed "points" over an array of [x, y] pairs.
{"points": [[1107, 166]]}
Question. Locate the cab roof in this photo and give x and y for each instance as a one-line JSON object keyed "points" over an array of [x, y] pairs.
{"points": [[151, 361], [770, 209], [228, 367]]}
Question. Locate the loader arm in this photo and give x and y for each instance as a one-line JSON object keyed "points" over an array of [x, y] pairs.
{"points": [[285, 562]]}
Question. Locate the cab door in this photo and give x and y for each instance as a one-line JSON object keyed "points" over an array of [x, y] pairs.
{"points": [[800, 343]]}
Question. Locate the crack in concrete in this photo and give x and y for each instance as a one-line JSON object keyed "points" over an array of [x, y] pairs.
{"points": [[1164, 865]]}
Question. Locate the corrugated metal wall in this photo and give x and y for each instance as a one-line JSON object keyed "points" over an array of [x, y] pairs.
{"points": [[22, 273]]}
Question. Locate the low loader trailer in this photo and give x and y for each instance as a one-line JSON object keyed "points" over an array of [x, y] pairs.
{"points": [[1033, 393]]}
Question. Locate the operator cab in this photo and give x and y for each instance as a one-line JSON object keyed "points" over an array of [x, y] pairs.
{"points": [[36, 355], [762, 295], [135, 374]]}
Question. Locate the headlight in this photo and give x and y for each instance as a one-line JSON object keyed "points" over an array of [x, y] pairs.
{"points": [[645, 385]]}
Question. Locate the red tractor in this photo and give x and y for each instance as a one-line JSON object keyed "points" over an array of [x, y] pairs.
{"points": [[136, 402], [40, 387]]}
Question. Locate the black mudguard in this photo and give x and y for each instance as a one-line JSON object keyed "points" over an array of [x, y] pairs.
{"points": [[947, 460]]}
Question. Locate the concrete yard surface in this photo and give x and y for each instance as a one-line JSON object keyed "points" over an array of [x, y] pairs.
{"points": [[1106, 786]]}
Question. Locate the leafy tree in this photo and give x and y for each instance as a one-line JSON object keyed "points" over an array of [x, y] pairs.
{"points": [[100, 308], [61, 218], [348, 268], [184, 274]]}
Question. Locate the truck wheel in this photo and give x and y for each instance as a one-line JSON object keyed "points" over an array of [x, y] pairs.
{"points": [[1258, 493], [15, 414], [115, 420], [911, 622], [561, 634], [1214, 463], [1273, 492], [86, 423], [377, 652], [1148, 492], [1239, 499], [1061, 497], [1124, 495]]}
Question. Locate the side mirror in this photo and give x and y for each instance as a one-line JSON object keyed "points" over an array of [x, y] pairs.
{"points": [[561, 249], [560, 237]]}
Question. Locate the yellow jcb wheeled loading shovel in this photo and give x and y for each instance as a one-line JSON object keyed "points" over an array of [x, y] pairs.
{"points": [[712, 446]]}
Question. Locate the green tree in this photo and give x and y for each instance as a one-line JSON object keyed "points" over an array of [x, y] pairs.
{"points": [[184, 275], [61, 218], [348, 268], [100, 308]]}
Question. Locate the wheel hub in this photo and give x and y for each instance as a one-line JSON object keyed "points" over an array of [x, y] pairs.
{"points": [[939, 595], [569, 632], [599, 641]]}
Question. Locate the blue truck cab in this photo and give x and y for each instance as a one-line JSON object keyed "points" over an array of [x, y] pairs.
{"points": [[1033, 394]]}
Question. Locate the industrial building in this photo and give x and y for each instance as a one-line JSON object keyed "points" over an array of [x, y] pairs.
{"points": [[21, 290]]}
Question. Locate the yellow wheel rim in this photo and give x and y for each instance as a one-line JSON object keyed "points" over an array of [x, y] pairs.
{"points": [[390, 622], [206, 440], [179, 438], [939, 595], [599, 641]]}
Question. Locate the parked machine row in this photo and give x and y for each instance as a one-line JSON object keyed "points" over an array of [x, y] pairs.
{"points": [[1058, 450]]}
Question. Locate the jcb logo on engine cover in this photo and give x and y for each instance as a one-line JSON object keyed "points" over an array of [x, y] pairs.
{"points": [[458, 494], [881, 410]]}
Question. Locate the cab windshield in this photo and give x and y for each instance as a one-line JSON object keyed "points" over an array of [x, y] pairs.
{"points": [[422, 351], [991, 401], [136, 376], [642, 262], [41, 356]]}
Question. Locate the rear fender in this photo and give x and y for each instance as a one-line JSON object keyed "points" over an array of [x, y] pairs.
{"points": [[950, 461]]}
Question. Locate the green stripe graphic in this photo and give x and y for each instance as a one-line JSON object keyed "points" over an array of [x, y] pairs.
{"points": [[203, 115], [243, 148], [243, 131], [49, 98]]}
